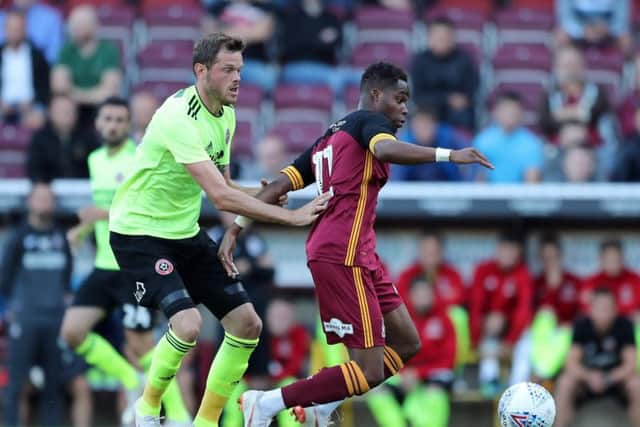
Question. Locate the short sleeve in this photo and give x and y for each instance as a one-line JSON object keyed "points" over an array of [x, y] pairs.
{"points": [[111, 56], [374, 128], [183, 141], [626, 333], [581, 331], [300, 172]]}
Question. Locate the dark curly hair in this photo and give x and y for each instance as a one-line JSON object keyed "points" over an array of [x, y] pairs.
{"points": [[381, 75]]}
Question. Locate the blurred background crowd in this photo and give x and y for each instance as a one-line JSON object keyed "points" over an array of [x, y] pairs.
{"points": [[548, 90]]}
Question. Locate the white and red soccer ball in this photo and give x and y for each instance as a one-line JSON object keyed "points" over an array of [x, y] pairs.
{"points": [[526, 405]]}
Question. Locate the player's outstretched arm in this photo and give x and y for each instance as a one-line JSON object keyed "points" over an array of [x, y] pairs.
{"points": [[399, 152], [228, 199], [270, 193]]}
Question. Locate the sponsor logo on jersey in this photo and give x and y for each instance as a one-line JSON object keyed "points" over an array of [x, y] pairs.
{"points": [[337, 327], [164, 267], [227, 137], [140, 291]]}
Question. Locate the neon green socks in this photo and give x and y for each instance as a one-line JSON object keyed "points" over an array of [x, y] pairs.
{"points": [[165, 362], [174, 407], [226, 371], [427, 407], [98, 352]]}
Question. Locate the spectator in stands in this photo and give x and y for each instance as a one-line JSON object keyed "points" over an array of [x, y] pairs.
{"points": [[24, 80], [45, 26], [36, 280], [613, 275], [627, 167], [253, 22], [515, 151], [424, 129], [60, 149], [627, 111], [427, 378], [601, 362], [143, 106], [595, 23], [271, 157], [573, 98], [310, 41], [88, 69], [500, 310], [557, 301], [445, 76], [579, 164]]}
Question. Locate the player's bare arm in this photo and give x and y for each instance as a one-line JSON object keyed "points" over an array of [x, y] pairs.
{"points": [[270, 193], [391, 151], [251, 191], [229, 199]]}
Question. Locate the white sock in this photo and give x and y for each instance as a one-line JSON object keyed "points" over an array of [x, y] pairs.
{"points": [[328, 408], [272, 402]]}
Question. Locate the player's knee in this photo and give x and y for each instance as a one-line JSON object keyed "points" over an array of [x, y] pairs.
{"points": [[186, 324], [252, 327], [73, 334]]}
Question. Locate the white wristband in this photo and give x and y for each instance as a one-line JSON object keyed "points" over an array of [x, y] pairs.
{"points": [[442, 154], [242, 221]]}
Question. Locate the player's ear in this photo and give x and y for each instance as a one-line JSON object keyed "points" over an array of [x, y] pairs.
{"points": [[199, 69], [375, 94]]}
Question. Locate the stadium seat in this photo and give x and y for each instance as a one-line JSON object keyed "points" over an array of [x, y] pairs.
{"points": [[378, 24], [605, 68], [524, 26], [351, 98], [166, 61], [161, 90], [298, 136], [366, 53], [250, 97], [306, 103], [14, 137], [544, 5], [483, 6], [522, 64], [12, 164], [244, 139], [176, 22], [469, 22]]}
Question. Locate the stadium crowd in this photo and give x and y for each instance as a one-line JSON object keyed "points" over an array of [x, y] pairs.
{"points": [[549, 90]]}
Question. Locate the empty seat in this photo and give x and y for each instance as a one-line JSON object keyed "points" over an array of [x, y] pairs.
{"points": [[250, 96], [244, 139], [298, 136], [351, 98], [12, 163], [161, 90], [604, 67], [14, 137], [367, 53], [524, 26], [166, 61], [304, 103], [522, 64], [176, 22], [378, 24]]}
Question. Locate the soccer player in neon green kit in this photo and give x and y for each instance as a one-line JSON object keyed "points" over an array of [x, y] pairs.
{"points": [[105, 289], [169, 261]]}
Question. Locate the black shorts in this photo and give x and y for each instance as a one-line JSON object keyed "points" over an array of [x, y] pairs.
{"points": [[109, 290], [174, 275]]}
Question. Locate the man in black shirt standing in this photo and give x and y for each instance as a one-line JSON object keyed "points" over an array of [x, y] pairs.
{"points": [[602, 360]]}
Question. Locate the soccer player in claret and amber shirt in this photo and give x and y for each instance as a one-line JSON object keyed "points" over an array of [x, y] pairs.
{"points": [[357, 300]]}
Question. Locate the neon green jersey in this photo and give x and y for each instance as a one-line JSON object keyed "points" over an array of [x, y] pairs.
{"points": [[159, 197], [107, 172]]}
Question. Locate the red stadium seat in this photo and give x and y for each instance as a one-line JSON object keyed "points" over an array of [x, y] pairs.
{"points": [[604, 67], [317, 97], [244, 139], [166, 61], [469, 22], [366, 53], [483, 6], [12, 163], [377, 24], [545, 5], [250, 97], [524, 26], [522, 64], [176, 22], [14, 137], [298, 136], [161, 90], [351, 97]]}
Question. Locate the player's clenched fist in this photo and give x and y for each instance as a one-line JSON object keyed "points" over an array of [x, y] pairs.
{"points": [[470, 155]]}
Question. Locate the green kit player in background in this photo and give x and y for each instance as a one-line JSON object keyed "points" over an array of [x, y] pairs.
{"points": [[169, 261], [105, 289]]}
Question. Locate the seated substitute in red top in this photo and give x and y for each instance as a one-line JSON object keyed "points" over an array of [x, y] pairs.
{"points": [[288, 342], [449, 289], [613, 275], [556, 289], [501, 303]]}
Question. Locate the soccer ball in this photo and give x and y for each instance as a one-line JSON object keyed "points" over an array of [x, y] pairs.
{"points": [[526, 405]]}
